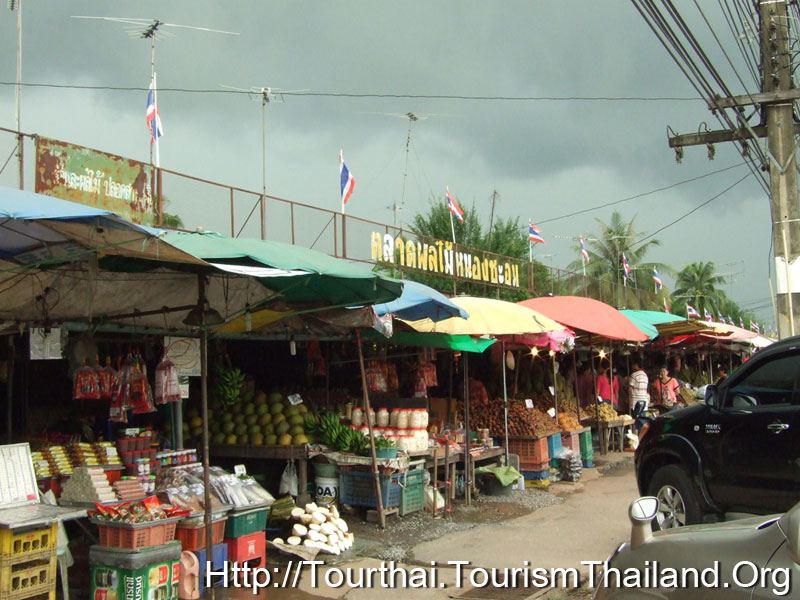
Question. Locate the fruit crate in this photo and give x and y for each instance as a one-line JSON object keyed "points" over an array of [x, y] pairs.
{"points": [[28, 574], [525, 465], [529, 449], [17, 542], [554, 445], [134, 536], [193, 537], [571, 441], [356, 488], [248, 549], [412, 496], [246, 522], [587, 449]]}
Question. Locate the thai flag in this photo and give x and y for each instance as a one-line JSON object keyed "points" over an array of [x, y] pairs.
{"points": [[657, 279], [730, 320], [453, 206], [584, 252], [690, 311], [721, 317], [754, 327], [626, 266], [666, 308], [348, 182], [708, 315], [534, 235], [741, 322], [153, 117]]}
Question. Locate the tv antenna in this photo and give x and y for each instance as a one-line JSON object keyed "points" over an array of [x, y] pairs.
{"points": [[412, 118], [265, 95], [151, 29]]}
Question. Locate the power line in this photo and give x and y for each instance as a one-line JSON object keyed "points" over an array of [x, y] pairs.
{"points": [[369, 94], [628, 199]]}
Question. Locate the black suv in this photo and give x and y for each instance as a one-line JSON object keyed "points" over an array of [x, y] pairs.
{"points": [[738, 452]]}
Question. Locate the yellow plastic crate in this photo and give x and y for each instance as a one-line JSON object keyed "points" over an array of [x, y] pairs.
{"points": [[18, 542], [49, 595], [28, 575]]}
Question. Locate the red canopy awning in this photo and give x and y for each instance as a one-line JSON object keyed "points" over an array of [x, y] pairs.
{"points": [[589, 315]]}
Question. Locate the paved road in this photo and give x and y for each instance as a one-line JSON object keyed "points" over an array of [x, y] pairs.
{"points": [[587, 526]]}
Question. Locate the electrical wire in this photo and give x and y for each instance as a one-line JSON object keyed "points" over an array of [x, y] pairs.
{"points": [[406, 96]]}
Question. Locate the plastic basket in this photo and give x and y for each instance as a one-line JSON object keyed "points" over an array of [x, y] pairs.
{"points": [[194, 537], [587, 464], [246, 522], [525, 465], [135, 536], [247, 548], [29, 574], [17, 542], [571, 441], [554, 445], [536, 475], [529, 449], [586, 442], [356, 488], [412, 496], [49, 594]]}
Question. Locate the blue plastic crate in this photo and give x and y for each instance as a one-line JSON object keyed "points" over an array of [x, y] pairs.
{"points": [[219, 557], [587, 464], [534, 475], [356, 488], [554, 445]]}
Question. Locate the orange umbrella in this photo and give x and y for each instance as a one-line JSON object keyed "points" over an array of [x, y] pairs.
{"points": [[589, 315]]}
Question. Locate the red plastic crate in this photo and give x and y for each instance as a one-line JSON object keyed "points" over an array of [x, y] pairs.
{"points": [[248, 548], [529, 449], [571, 441], [122, 535], [525, 465], [194, 537]]}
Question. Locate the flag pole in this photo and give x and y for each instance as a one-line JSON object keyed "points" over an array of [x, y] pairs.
{"points": [[453, 230], [155, 121]]}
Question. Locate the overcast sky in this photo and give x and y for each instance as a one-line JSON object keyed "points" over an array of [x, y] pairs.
{"points": [[545, 158]]}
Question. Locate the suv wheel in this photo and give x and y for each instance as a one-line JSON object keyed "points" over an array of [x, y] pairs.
{"points": [[678, 501]]}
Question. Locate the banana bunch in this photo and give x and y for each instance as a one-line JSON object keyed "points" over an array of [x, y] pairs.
{"points": [[329, 430], [229, 384], [350, 440]]}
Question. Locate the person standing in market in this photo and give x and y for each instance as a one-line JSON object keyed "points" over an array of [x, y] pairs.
{"points": [[637, 392], [665, 389], [604, 390]]}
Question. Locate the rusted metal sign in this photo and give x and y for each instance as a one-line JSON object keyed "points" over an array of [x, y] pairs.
{"points": [[99, 179]]}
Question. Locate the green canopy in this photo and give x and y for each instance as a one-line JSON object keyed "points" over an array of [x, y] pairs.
{"points": [[648, 320], [465, 343], [299, 274]]}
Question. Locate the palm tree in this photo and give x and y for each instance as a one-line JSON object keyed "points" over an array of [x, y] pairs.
{"points": [[697, 284], [616, 239]]}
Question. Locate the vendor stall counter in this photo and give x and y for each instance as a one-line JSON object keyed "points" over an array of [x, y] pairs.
{"points": [[256, 453]]}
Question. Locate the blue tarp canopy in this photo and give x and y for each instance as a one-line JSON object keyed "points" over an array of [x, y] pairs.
{"points": [[419, 301]]}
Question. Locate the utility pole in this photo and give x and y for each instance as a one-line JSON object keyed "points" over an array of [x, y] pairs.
{"points": [[778, 126], [17, 5]]}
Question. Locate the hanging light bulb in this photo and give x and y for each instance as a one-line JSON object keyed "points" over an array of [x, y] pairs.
{"points": [[534, 351], [552, 353], [602, 353]]}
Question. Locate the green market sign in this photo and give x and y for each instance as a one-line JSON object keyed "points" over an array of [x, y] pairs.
{"points": [[441, 258]]}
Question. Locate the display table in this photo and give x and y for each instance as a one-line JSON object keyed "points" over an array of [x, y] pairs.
{"points": [[298, 453], [610, 434]]}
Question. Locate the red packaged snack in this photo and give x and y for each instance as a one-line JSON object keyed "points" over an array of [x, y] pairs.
{"points": [[86, 387]]}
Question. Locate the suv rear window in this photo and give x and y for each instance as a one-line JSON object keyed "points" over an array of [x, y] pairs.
{"points": [[771, 383]]}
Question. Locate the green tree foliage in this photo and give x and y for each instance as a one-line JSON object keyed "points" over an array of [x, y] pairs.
{"points": [[697, 284], [169, 220], [605, 270]]}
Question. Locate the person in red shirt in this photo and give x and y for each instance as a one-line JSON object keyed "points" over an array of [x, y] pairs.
{"points": [[665, 390], [604, 389]]}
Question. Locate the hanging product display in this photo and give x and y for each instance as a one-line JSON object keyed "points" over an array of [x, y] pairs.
{"points": [[168, 387], [85, 383], [106, 379]]}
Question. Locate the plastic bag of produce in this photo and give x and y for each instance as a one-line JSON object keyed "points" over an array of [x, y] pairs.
{"points": [[289, 480], [168, 388]]}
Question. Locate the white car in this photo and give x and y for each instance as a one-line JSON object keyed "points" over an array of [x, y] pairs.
{"points": [[749, 558]]}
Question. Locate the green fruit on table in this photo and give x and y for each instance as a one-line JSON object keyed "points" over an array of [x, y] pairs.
{"points": [[297, 430], [261, 398], [285, 440], [251, 419], [219, 438], [249, 409], [255, 428], [262, 409], [265, 419], [226, 416], [271, 439], [291, 411], [257, 439], [228, 427], [230, 440], [268, 428], [279, 418], [282, 427], [241, 429], [299, 440], [243, 440], [238, 419], [276, 408], [275, 397], [296, 420]]}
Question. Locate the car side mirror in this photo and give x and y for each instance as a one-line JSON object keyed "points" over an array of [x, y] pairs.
{"points": [[641, 513], [789, 524], [711, 395]]}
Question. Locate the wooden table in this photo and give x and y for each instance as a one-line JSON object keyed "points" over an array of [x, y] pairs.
{"points": [[299, 453]]}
